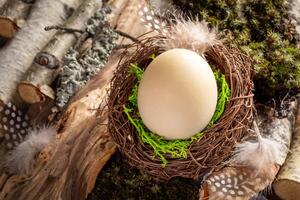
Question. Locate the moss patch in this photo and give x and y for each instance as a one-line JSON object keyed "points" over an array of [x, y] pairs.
{"points": [[119, 181], [261, 29], [175, 148]]}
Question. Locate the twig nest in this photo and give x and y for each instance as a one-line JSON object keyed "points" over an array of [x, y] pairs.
{"points": [[218, 141], [177, 95]]}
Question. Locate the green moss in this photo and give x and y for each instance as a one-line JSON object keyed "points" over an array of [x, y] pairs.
{"points": [[175, 148], [119, 181], [261, 29]]}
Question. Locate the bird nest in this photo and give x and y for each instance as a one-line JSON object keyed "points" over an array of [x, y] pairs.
{"points": [[218, 141]]}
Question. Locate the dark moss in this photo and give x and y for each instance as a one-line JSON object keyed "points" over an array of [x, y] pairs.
{"points": [[261, 29], [118, 180]]}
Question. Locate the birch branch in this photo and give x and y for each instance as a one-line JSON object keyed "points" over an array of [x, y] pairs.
{"points": [[36, 84], [68, 168], [12, 16], [17, 56], [287, 185]]}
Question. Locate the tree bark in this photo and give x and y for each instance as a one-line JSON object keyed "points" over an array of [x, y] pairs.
{"points": [[117, 7], [68, 168], [2, 2], [35, 87], [12, 16], [17, 56], [287, 185]]}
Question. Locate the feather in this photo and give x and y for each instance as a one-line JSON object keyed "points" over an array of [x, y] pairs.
{"points": [[150, 20], [179, 32], [188, 34], [14, 125], [22, 158], [259, 154]]}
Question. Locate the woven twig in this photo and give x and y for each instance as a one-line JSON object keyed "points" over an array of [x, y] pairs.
{"points": [[209, 152]]}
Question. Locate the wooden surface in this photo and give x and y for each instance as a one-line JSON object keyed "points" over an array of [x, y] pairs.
{"points": [[68, 168], [35, 86]]}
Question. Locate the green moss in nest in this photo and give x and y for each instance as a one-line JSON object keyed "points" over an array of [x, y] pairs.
{"points": [[176, 148]]}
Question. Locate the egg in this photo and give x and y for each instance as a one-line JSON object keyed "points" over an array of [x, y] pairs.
{"points": [[177, 95]]}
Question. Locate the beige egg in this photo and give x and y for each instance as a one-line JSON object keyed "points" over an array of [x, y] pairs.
{"points": [[177, 95]]}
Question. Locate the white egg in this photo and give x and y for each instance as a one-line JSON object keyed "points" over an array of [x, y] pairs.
{"points": [[178, 94]]}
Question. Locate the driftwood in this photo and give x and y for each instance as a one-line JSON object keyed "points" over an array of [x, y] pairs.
{"points": [[35, 87], [17, 56], [68, 168], [12, 15]]}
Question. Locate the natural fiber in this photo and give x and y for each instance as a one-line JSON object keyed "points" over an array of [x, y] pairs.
{"points": [[176, 148], [218, 141]]}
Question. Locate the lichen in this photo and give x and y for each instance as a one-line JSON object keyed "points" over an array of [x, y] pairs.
{"points": [[76, 71], [176, 148], [261, 29]]}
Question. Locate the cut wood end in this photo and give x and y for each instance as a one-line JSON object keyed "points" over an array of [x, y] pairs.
{"points": [[287, 189], [33, 94], [8, 28]]}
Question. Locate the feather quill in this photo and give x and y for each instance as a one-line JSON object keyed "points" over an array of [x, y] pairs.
{"points": [[22, 159], [259, 154]]}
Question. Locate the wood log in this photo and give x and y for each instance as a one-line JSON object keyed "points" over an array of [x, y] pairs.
{"points": [[17, 56], [68, 168], [12, 16], [35, 87], [72, 78], [2, 2], [287, 185]]}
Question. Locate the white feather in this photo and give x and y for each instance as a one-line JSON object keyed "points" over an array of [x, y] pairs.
{"points": [[259, 154], [22, 159], [188, 34]]}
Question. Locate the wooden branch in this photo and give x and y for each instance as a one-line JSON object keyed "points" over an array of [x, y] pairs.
{"points": [[287, 185], [17, 56], [35, 86], [117, 7], [68, 168], [78, 69], [2, 2], [12, 16]]}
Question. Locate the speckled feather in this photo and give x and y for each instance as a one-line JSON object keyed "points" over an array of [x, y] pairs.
{"points": [[22, 158], [233, 183], [14, 125], [152, 21]]}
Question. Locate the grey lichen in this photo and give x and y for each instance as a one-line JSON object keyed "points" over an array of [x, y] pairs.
{"points": [[77, 70]]}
